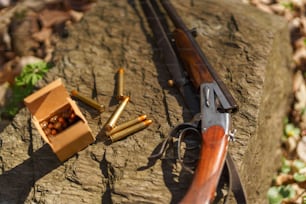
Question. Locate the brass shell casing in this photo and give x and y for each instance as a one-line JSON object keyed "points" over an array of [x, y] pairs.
{"points": [[92, 103], [116, 114], [120, 84], [126, 124], [130, 130]]}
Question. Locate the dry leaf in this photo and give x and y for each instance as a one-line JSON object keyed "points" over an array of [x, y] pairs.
{"points": [[299, 88], [50, 18], [278, 9], [3, 92], [299, 56], [298, 80], [303, 124], [5, 3], [7, 71], [300, 96], [76, 16], [283, 179], [290, 144], [43, 35], [23, 61], [264, 8], [7, 39], [22, 30], [301, 149]]}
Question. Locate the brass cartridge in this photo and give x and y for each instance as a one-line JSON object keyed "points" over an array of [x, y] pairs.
{"points": [[92, 103], [120, 94], [130, 130], [126, 124], [116, 114]]}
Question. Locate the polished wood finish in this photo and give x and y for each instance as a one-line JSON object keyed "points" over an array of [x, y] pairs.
{"points": [[209, 169], [193, 63]]}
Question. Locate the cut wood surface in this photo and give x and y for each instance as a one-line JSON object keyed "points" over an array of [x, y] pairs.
{"points": [[249, 49]]}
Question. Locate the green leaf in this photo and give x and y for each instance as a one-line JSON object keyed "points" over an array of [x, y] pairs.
{"points": [[291, 130], [274, 196], [299, 177], [304, 109], [28, 79], [286, 120], [286, 166], [298, 164], [288, 5], [32, 73], [34, 79], [287, 191], [24, 84]]}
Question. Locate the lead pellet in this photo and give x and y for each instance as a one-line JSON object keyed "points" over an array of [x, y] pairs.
{"points": [[88, 101], [120, 84], [116, 114], [130, 130], [126, 124]]}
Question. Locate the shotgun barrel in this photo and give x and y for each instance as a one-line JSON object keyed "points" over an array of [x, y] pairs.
{"points": [[182, 54], [196, 63]]}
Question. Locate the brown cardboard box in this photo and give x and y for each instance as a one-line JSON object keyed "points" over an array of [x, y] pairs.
{"points": [[52, 100]]}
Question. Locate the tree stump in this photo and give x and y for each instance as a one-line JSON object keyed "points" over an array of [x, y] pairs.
{"points": [[249, 49]]}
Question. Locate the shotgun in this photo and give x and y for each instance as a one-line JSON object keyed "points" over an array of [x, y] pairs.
{"points": [[205, 94]]}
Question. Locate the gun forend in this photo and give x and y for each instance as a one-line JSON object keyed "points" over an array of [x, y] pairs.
{"points": [[198, 67], [195, 62], [212, 158], [194, 65]]}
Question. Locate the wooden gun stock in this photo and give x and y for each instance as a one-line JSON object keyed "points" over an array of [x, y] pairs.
{"points": [[206, 177]]}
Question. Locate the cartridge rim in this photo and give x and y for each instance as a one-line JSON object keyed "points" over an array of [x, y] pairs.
{"points": [[74, 92]]}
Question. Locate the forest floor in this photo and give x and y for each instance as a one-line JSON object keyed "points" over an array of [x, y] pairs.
{"points": [[289, 184]]}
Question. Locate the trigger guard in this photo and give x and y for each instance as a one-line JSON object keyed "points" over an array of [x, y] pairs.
{"points": [[178, 132], [193, 124], [181, 136], [180, 129]]}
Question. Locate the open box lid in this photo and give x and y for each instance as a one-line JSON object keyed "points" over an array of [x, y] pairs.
{"points": [[48, 98]]}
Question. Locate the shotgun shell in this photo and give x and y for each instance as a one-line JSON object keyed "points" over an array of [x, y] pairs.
{"points": [[92, 103], [130, 130], [120, 95], [170, 82], [116, 114], [126, 124]]}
